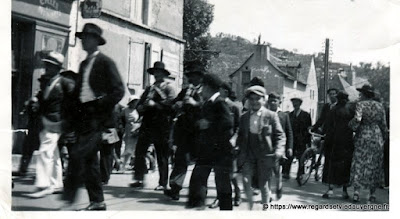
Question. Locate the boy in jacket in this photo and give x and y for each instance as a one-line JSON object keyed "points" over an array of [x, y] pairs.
{"points": [[261, 141]]}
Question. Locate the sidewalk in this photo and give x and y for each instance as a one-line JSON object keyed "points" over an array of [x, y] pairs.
{"points": [[119, 196]]}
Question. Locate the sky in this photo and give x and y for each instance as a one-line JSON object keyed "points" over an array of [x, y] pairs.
{"points": [[359, 30]]}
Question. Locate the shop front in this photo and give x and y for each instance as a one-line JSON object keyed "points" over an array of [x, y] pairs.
{"points": [[37, 26]]}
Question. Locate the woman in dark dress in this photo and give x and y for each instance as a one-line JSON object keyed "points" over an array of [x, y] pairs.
{"points": [[338, 146]]}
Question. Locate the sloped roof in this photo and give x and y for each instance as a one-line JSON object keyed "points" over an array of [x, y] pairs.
{"points": [[350, 90], [296, 60], [241, 65]]}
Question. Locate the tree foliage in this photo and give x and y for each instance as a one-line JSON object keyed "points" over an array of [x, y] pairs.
{"points": [[197, 17]]}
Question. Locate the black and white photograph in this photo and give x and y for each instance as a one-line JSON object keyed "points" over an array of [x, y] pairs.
{"points": [[278, 107]]}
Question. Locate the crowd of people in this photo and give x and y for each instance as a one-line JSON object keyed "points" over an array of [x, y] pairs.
{"points": [[203, 125]]}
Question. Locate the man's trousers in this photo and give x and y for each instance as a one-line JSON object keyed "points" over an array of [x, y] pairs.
{"points": [[198, 182]]}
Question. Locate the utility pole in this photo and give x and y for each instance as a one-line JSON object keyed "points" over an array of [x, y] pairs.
{"points": [[326, 69]]}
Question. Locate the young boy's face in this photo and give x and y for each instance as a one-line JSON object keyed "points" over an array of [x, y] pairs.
{"points": [[256, 101], [273, 104]]}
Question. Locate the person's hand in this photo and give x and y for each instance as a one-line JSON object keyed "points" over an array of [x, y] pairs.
{"points": [[203, 124], [190, 101], [151, 103], [289, 152]]}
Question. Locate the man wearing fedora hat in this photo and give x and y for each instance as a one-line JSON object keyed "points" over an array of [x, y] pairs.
{"points": [[155, 108], [99, 88], [300, 121], [187, 108], [52, 101]]}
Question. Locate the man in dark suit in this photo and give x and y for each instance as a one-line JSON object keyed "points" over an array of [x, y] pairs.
{"points": [[225, 93], [155, 107], [215, 130], [274, 100], [187, 108], [99, 88], [300, 121], [332, 92]]}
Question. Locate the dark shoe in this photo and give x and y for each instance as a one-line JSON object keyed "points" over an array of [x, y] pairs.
{"points": [[286, 176], [356, 197], [327, 194], [197, 206], [174, 196], [215, 204], [256, 191], [345, 195], [95, 206], [137, 184], [278, 194], [159, 188], [371, 199], [237, 202]]}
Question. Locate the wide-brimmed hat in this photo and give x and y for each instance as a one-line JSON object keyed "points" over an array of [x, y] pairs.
{"points": [[367, 89], [212, 80], [194, 67], [54, 58], [296, 98], [132, 98], [158, 66], [94, 30], [342, 95], [256, 89]]}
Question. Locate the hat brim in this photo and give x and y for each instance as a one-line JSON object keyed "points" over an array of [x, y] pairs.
{"points": [[52, 62], [102, 41], [152, 70], [258, 93], [294, 99]]}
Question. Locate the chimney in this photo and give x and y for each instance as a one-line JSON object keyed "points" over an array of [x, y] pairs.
{"points": [[262, 52]]}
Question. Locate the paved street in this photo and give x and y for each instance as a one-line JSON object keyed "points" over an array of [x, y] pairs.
{"points": [[119, 196]]}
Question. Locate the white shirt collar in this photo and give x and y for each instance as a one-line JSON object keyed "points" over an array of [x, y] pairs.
{"points": [[258, 112], [93, 55], [214, 97]]}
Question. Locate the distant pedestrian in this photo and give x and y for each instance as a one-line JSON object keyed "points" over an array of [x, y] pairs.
{"points": [[301, 122], [155, 108], [369, 123], [52, 101], [31, 141], [262, 143], [214, 132], [338, 146], [274, 101], [98, 90], [132, 126]]}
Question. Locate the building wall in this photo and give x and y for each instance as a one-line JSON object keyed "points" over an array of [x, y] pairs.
{"points": [[273, 80], [311, 93], [127, 41], [292, 89]]}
